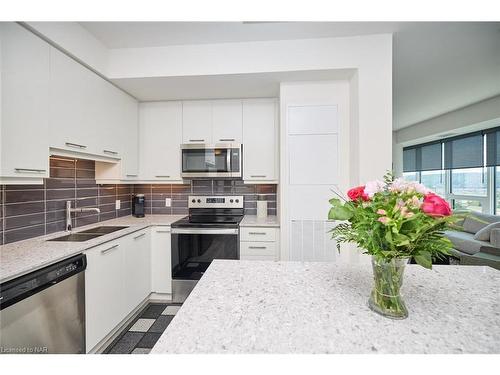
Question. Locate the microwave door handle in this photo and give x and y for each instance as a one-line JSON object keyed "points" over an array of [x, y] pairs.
{"points": [[228, 158]]}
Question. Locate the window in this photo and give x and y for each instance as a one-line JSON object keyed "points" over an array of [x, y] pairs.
{"points": [[470, 181], [469, 205], [434, 180], [411, 176], [497, 190]]}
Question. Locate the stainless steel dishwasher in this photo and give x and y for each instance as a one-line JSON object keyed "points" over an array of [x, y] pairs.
{"points": [[44, 311]]}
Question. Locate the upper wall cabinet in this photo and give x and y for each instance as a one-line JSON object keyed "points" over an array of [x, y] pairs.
{"points": [[197, 121], [260, 140], [226, 121], [24, 95], [212, 121], [160, 137]]}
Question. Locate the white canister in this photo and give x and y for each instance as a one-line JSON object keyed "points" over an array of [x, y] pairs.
{"points": [[261, 209]]}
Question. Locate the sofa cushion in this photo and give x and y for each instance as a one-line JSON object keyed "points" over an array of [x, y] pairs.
{"points": [[465, 242], [484, 234], [474, 222]]}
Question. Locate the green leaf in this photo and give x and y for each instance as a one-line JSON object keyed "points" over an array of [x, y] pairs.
{"points": [[339, 213], [424, 259]]}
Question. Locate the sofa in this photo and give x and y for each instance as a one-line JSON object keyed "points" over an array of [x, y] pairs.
{"points": [[476, 240]]}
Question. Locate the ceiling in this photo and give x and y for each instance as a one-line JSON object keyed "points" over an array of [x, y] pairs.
{"points": [[438, 67]]}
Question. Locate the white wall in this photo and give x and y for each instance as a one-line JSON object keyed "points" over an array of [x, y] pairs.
{"points": [[482, 115]]}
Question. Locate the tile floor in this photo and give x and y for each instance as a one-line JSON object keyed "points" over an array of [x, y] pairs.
{"points": [[143, 332]]}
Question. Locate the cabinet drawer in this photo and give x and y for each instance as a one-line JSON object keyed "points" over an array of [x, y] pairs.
{"points": [[258, 234], [258, 257], [257, 249]]}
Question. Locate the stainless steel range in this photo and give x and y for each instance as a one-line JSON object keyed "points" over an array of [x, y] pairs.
{"points": [[211, 231]]}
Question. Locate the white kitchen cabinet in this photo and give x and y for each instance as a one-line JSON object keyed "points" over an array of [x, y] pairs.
{"points": [[161, 268], [160, 137], [197, 121], [104, 290], [128, 136], [137, 269], [24, 64], [227, 121], [259, 243], [260, 140], [75, 108]]}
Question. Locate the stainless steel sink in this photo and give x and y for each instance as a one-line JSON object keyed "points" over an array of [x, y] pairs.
{"points": [[88, 234], [77, 237], [104, 229]]}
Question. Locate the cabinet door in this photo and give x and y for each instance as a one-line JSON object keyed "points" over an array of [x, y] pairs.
{"points": [[75, 105], [260, 136], [127, 135], [104, 291], [161, 268], [197, 121], [160, 136], [137, 270], [227, 121], [24, 62]]}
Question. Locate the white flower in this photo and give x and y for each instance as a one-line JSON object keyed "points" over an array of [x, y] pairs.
{"points": [[373, 187], [399, 185]]}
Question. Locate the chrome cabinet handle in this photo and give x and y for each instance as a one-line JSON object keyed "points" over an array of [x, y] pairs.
{"points": [[196, 140], [69, 144], [257, 233], [258, 176], [110, 152], [162, 176], [131, 175], [257, 247], [226, 139], [110, 248], [163, 231], [139, 236], [29, 170]]}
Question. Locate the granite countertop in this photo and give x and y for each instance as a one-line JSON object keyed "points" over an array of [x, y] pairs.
{"points": [[21, 257], [295, 307], [254, 221]]}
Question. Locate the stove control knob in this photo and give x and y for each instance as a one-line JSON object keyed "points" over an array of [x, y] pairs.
{"points": [[237, 201], [194, 200], [231, 201], [199, 200]]}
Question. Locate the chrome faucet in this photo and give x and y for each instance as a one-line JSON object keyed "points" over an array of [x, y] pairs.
{"points": [[69, 210]]}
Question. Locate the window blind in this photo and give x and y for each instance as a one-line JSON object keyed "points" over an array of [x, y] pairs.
{"points": [[426, 157], [464, 152], [493, 148]]}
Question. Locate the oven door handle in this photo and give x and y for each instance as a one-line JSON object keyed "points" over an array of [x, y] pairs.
{"points": [[204, 231]]}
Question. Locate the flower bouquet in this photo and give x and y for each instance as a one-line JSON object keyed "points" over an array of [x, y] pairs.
{"points": [[393, 220]]}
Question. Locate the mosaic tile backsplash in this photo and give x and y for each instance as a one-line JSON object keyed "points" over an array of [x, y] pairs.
{"points": [[28, 211]]}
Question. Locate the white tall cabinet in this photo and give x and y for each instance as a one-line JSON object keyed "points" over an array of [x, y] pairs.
{"points": [[260, 140], [160, 137], [24, 95]]}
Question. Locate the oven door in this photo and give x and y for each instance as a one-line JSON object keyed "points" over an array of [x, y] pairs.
{"points": [[193, 249], [218, 161]]}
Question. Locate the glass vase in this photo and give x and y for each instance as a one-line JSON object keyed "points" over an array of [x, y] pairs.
{"points": [[385, 297]]}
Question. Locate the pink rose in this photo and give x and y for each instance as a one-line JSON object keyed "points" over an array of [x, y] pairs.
{"points": [[434, 205], [381, 212], [384, 220]]}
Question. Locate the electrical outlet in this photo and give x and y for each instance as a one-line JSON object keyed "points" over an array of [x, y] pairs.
{"points": [[168, 202], [117, 204]]}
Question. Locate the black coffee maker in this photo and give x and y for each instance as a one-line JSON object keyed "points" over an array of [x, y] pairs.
{"points": [[138, 205]]}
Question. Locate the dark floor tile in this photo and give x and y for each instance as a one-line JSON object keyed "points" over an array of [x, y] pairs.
{"points": [[153, 311], [149, 340], [161, 323], [127, 343]]}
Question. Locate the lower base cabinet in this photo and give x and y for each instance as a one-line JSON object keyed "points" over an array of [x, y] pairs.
{"points": [[161, 268], [258, 243], [117, 280]]}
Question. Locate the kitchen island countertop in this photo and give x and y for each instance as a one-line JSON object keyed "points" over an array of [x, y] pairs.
{"points": [[295, 307]]}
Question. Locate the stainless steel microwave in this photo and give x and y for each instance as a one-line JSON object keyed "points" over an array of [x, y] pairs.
{"points": [[222, 160]]}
